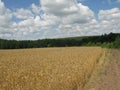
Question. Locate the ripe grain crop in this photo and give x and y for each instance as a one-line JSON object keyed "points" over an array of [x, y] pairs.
{"points": [[66, 68]]}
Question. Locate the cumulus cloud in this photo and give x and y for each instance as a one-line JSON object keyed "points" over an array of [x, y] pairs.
{"points": [[59, 18], [109, 14], [5, 21], [5, 14], [35, 9], [23, 13], [28, 28], [110, 19], [23, 23], [82, 16], [59, 7]]}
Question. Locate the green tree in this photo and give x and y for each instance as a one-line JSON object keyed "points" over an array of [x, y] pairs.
{"points": [[116, 44]]}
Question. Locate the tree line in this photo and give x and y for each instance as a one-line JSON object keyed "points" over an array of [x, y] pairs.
{"points": [[111, 40]]}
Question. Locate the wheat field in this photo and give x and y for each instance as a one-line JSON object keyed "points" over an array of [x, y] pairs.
{"points": [[66, 68]]}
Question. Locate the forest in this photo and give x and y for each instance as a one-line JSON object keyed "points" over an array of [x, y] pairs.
{"points": [[111, 40]]}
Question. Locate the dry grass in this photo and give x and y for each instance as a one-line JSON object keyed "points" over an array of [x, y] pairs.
{"points": [[99, 70], [47, 69]]}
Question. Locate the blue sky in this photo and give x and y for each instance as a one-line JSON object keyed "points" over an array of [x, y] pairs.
{"points": [[12, 4], [37, 19], [95, 5]]}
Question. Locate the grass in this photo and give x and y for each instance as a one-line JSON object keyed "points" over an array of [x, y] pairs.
{"points": [[47, 68]]}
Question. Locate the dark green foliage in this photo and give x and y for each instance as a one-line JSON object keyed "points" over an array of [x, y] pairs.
{"points": [[116, 44], [111, 40]]}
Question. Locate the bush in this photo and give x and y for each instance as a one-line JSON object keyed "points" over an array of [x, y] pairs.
{"points": [[116, 44]]}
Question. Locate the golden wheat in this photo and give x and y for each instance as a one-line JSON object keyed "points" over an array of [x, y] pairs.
{"points": [[47, 68]]}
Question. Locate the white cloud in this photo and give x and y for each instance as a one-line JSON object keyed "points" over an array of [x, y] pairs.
{"points": [[110, 20], [28, 28], [109, 14], [59, 7], [5, 14], [82, 16], [5, 23], [30, 23], [23, 13], [61, 18], [35, 9]]}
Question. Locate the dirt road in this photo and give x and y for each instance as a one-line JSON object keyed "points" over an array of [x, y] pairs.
{"points": [[110, 80]]}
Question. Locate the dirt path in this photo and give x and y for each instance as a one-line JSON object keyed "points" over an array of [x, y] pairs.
{"points": [[110, 80]]}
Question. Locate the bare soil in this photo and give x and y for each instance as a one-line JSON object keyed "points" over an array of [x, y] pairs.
{"points": [[110, 80]]}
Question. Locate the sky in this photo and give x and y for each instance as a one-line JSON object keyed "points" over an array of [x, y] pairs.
{"points": [[39, 19]]}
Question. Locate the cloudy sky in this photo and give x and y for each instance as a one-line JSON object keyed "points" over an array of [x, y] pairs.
{"points": [[38, 19]]}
